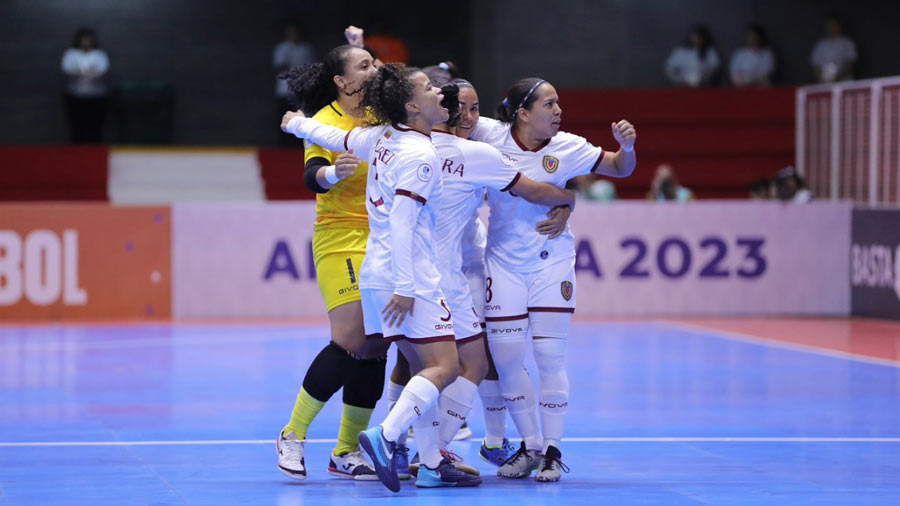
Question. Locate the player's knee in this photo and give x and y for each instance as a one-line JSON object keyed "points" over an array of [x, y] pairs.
{"points": [[365, 388], [555, 400]]}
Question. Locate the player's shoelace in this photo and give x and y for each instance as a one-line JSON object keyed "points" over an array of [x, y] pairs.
{"points": [[547, 464], [452, 457], [357, 460], [521, 453]]}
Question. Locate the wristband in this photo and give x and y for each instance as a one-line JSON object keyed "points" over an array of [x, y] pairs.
{"points": [[331, 175], [629, 149]]}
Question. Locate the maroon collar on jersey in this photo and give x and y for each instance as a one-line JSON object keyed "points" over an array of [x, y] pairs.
{"points": [[512, 130], [404, 128], [441, 131]]}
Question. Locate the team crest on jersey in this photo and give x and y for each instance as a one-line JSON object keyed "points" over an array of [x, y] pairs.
{"points": [[551, 163], [424, 173], [566, 288]]}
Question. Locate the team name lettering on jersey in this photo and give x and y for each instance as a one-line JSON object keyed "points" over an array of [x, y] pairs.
{"points": [[382, 154], [453, 169]]}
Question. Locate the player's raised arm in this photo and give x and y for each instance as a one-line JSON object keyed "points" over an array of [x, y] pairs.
{"points": [[622, 162]]}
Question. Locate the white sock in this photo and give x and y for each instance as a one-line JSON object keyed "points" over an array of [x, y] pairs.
{"points": [[515, 385], [427, 438], [494, 413], [455, 404], [418, 396], [549, 354], [393, 395]]}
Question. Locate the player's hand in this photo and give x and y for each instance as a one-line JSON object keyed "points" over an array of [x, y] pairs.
{"points": [[354, 36], [396, 310], [556, 224], [624, 133], [345, 165], [288, 116]]}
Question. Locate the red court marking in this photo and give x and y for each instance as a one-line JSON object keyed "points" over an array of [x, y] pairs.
{"points": [[855, 336]]}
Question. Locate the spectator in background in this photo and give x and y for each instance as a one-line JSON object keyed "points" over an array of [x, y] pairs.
{"points": [[590, 187], [293, 51], [834, 55], [753, 64], [665, 186], [789, 186], [762, 189], [85, 66], [695, 62]]}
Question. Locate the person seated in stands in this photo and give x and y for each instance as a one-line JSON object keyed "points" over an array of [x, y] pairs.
{"points": [[834, 55], [753, 64], [590, 187], [762, 189], [790, 187], [695, 62], [665, 186]]}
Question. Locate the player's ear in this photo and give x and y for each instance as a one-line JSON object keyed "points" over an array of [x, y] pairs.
{"points": [[412, 108], [339, 82]]}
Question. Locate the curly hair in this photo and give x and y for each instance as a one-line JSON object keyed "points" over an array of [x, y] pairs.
{"points": [[385, 95], [312, 85], [522, 94]]}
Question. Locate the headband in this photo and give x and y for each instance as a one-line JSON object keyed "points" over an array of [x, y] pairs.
{"points": [[527, 96]]}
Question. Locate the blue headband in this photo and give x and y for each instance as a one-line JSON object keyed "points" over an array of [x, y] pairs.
{"points": [[527, 96]]}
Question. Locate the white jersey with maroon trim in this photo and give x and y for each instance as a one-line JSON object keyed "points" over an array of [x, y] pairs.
{"points": [[512, 236], [467, 168], [402, 193]]}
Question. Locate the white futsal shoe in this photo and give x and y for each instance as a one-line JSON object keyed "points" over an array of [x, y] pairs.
{"points": [[290, 456], [551, 466], [521, 464]]}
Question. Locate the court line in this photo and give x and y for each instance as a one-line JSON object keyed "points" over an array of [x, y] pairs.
{"points": [[568, 440], [775, 343]]}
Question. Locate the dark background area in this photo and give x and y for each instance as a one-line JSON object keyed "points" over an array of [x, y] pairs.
{"points": [[216, 55]]}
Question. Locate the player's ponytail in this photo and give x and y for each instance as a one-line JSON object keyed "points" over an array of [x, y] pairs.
{"points": [[312, 85]]}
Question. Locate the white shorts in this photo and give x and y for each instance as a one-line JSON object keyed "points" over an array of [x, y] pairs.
{"points": [[545, 296], [431, 320], [458, 287]]}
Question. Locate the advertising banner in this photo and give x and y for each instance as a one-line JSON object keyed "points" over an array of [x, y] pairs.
{"points": [[245, 260], [875, 263], [712, 258], [84, 261]]}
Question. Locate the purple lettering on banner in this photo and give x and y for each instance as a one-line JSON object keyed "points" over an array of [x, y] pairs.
{"points": [[281, 261], [712, 269], [585, 260], [753, 246], [311, 259], [685, 258], [633, 269]]}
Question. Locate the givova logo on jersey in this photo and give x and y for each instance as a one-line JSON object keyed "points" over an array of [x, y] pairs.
{"points": [[875, 266]]}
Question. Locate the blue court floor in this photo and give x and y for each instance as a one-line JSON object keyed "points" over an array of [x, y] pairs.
{"points": [[660, 414]]}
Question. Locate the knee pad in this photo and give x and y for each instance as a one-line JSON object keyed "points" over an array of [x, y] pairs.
{"points": [[508, 343], [328, 372], [364, 388], [549, 324]]}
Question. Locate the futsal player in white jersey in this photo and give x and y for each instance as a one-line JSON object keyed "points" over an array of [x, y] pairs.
{"points": [[530, 280], [469, 168], [399, 279]]}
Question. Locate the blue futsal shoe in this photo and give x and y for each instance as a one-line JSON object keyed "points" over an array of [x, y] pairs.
{"points": [[401, 455], [446, 475], [498, 455], [381, 451]]}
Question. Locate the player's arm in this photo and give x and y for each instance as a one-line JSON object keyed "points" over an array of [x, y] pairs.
{"points": [[320, 175], [622, 162], [354, 36], [541, 193]]}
